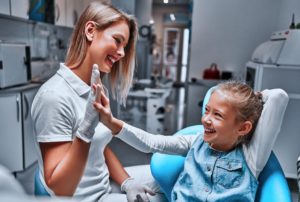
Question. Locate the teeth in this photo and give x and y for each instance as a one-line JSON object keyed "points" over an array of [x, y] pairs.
{"points": [[111, 59], [207, 130]]}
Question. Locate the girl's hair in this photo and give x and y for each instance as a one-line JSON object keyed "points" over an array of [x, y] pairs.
{"points": [[105, 15], [248, 104]]}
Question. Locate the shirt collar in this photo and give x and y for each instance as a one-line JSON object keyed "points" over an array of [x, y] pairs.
{"points": [[79, 86]]}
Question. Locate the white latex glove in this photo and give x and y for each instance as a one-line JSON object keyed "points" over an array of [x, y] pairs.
{"points": [[136, 191], [90, 120]]}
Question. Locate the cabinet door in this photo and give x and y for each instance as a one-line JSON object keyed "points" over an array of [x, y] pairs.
{"points": [[11, 132], [19, 8], [30, 153], [72, 12], [4, 7], [286, 147], [74, 9], [86, 3], [60, 12]]}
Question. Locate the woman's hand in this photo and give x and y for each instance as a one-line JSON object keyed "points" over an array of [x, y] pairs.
{"points": [[90, 120], [136, 191]]}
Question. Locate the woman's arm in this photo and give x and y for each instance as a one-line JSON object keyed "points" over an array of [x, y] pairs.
{"points": [[64, 159], [116, 170], [54, 117], [64, 164], [268, 127]]}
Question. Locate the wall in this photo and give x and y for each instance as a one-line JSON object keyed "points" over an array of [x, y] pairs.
{"points": [[287, 8], [127, 6], [143, 10], [227, 32]]}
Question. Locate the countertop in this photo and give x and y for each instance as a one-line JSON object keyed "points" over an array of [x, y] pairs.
{"points": [[19, 88]]}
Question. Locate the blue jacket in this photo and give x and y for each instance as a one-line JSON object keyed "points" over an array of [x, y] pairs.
{"points": [[210, 175]]}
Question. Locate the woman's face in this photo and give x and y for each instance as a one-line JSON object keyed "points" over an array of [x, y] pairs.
{"points": [[221, 129], [108, 46]]}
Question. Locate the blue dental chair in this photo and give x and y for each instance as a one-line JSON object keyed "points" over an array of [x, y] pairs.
{"points": [[39, 189], [272, 182]]}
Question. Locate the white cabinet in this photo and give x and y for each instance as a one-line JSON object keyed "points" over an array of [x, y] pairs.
{"points": [[67, 12], [11, 132], [30, 155], [17, 150], [74, 9], [4, 7], [19, 8], [60, 12], [263, 76]]}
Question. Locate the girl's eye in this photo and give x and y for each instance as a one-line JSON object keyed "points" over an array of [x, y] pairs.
{"points": [[218, 115]]}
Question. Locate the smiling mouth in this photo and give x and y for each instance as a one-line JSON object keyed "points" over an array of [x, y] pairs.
{"points": [[111, 60], [209, 131]]}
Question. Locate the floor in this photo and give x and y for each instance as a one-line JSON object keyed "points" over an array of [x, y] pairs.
{"points": [[173, 121]]}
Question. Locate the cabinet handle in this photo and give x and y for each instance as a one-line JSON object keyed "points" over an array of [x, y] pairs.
{"points": [[18, 107], [75, 17], [26, 106], [57, 11]]}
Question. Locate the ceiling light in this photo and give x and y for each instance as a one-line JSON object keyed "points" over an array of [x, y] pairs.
{"points": [[172, 16], [151, 22]]}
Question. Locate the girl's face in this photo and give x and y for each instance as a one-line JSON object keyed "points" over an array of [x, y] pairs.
{"points": [[221, 128], [108, 46]]}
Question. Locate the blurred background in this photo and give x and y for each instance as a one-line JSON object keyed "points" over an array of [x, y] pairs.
{"points": [[184, 48]]}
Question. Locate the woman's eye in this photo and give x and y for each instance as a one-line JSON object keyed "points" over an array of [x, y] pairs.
{"points": [[118, 41]]}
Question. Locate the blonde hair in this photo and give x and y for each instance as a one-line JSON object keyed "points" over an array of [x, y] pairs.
{"points": [[105, 15], [248, 104]]}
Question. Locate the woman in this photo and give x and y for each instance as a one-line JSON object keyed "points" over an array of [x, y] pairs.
{"points": [[74, 159]]}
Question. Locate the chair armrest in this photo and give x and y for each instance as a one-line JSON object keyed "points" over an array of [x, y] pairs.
{"points": [[166, 168], [272, 183]]}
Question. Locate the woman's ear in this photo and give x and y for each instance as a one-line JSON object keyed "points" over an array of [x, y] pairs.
{"points": [[90, 29], [245, 128]]}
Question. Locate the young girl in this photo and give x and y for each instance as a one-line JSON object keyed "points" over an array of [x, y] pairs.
{"points": [[224, 162], [74, 159]]}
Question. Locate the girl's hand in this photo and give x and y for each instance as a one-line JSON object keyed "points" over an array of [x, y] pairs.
{"points": [[102, 105]]}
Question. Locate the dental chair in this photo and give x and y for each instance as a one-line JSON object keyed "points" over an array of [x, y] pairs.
{"points": [[166, 168], [39, 189]]}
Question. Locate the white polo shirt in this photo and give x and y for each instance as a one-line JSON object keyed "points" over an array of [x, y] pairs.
{"points": [[57, 110]]}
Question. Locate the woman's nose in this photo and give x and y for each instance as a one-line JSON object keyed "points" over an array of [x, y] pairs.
{"points": [[121, 52]]}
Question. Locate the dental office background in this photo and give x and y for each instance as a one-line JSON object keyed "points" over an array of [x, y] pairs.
{"points": [[207, 31]]}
